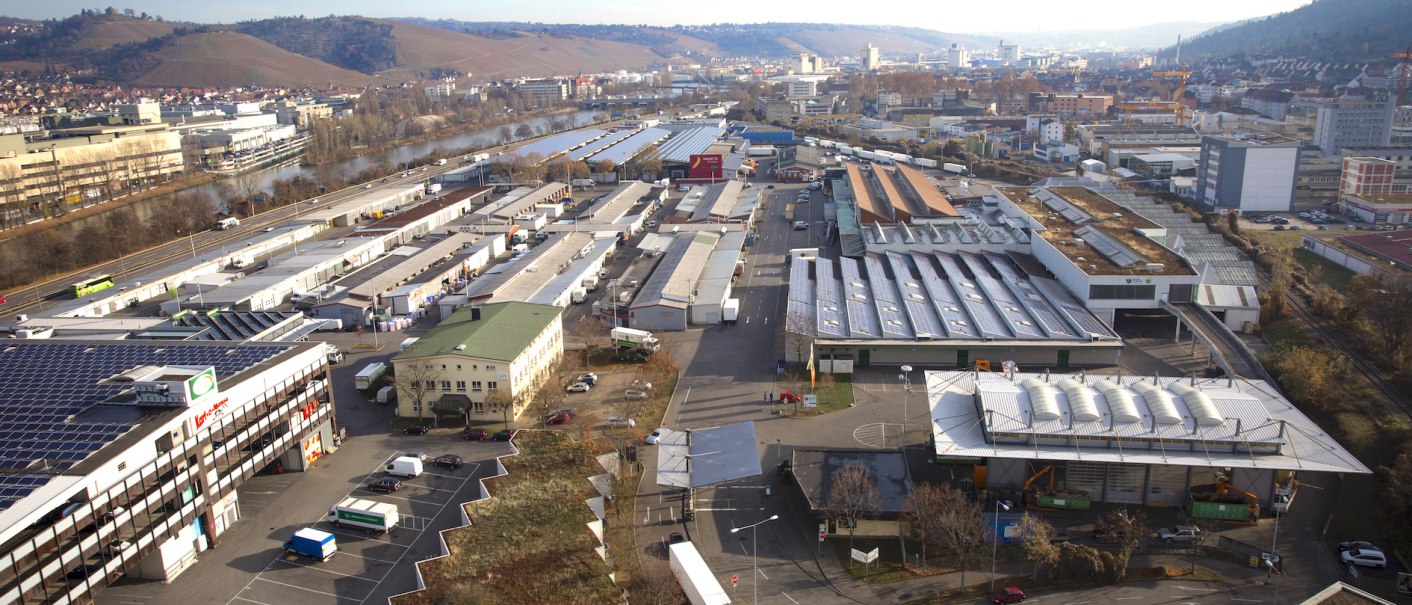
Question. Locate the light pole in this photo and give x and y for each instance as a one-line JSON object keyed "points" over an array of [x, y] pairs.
{"points": [[1274, 558], [754, 567], [995, 545], [906, 389]]}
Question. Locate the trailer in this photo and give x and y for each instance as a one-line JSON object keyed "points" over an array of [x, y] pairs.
{"points": [[311, 543], [581, 182], [373, 517], [730, 311], [925, 163], [369, 375], [408, 342], [761, 151], [631, 338], [697, 581], [953, 168]]}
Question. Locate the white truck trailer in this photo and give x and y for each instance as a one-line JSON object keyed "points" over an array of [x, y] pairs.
{"points": [[370, 374], [373, 517], [695, 576], [629, 337], [925, 163], [953, 168]]}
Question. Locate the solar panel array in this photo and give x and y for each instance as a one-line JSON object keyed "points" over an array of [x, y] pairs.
{"points": [[1050, 320], [800, 317], [629, 147], [1115, 250], [14, 488], [990, 323], [1191, 238], [48, 384], [599, 145], [1058, 204], [557, 144], [925, 322], [1072, 309], [944, 298], [831, 320], [1005, 303], [862, 321]]}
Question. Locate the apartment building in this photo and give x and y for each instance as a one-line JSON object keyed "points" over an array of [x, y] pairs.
{"points": [[546, 90], [1070, 105], [1353, 122]]}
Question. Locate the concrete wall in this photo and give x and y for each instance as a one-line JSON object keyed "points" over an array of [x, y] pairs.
{"points": [[658, 318]]}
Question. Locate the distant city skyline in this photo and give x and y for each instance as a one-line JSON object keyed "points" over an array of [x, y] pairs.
{"points": [[970, 17]]}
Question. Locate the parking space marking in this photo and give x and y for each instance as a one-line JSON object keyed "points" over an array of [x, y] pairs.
{"points": [[387, 495], [330, 571], [361, 537], [421, 522], [344, 553], [252, 601], [310, 590]]}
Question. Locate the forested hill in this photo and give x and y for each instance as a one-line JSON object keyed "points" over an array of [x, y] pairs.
{"points": [[1346, 31]]}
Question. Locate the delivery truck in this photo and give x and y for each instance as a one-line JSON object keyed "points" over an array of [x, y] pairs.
{"points": [[630, 338], [696, 578], [387, 394], [311, 543], [404, 466], [953, 168], [366, 377], [229, 222], [373, 517], [581, 182]]}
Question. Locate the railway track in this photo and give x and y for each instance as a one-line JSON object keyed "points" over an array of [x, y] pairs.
{"points": [[1374, 375]]}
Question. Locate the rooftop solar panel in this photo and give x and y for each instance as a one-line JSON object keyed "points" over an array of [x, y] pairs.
{"points": [[973, 299], [857, 301], [891, 316], [629, 147], [599, 145], [557, 144], [944, 299], [1001, 299], [920, 312], [831, 319], [1049, 319], [1115, 250]]}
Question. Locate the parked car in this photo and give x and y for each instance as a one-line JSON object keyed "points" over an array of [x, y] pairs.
{"points": [[580, 387], [451, 461], [1357, 545], [619, 421], [4, 298], [504, 435], [559, 419], [1103, 534], [385, 484], [641, 385], [1009, 594], [1364, 558], [475, 434], [117, 547], [634, 395], [417, 429], [1183, 533], [83, 571], [631, 356], [1279, 227], [590, 378], [1294, 227], [653, 437], [789, 397]]}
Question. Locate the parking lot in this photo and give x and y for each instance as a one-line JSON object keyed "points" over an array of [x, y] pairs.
{"points": [[364, 559]]}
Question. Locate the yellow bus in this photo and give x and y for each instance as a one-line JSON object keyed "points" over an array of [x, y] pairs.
{"points": [[91, 285]]}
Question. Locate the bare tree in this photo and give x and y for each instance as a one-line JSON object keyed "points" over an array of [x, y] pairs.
{"points": [[654, 584], [922, 517], [416, 382], [593, 335], [1037, 537], [582, 423], [550, 398], [499, 401], [852, 496], [523, 131], [1129, 529], [962, 532]]}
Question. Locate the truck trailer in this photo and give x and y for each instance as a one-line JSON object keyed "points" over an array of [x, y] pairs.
{"points": [[312, 543], [366, 377], [697, 581], [374, 517], [953, 168]]}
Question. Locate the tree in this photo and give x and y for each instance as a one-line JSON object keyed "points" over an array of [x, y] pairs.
{"points": [[961, 532], [416, 382], [1382, 300], [504, 135], [499, 401], [1129, 528], [924, 510], [852, 496], [1308, 375], [523, 131], [550, 398], [654, 584], [1037, 537], [797, 336]]}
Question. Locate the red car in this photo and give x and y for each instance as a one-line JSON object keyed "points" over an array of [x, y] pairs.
{"points": [[560, 418], [476, 434], [1009, 594], [789, 397], [4, 298]]}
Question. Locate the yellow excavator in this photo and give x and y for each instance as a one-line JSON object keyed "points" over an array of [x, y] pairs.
{"points": [[1224, 489]]}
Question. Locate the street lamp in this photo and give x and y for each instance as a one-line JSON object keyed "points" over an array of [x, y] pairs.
{"points": [[906, 389], [754, 567], [995, 545]]}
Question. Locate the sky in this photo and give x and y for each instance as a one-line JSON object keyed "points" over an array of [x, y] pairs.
{"points": [[953, 16]]}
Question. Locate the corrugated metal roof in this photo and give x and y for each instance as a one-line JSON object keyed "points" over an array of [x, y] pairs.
{"points": [[551, 146], [625, 150], [675, 277], [599, 145], [691, 142]]}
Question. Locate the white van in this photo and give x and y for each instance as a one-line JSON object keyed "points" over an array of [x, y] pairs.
{"points": [[405, 466]]}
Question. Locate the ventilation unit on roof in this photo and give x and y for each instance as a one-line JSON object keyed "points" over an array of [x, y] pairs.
{"points": [[1078, 241], [1155, 267]]}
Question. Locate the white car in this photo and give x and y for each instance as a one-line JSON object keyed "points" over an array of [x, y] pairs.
{"points": [[801, 225], [653, 437], [579, 387], [641, 385], [619, 421], [268, 229], [1364, 557], [634, 395]]}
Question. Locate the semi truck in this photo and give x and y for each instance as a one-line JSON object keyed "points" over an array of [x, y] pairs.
{"points": [[695, 576], [229, 222], [761, 151], [630, 338], [373, 517], [953, 168], [366, 377], [312, 543]]}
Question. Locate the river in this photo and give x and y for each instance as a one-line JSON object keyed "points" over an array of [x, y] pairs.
{"points": [[484, 137]]}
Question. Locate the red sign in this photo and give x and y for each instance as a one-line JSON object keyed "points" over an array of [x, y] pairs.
{"points": [[705, 166], [735, 580], [206, 415]]}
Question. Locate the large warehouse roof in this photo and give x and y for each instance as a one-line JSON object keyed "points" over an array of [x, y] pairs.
{"points": [[628, 148], [1127, 419], [549, 147], [688, 143], [933, 296], [599, 145]]}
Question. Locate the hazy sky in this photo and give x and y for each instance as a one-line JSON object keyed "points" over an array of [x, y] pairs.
{"points": [[956, 16]]}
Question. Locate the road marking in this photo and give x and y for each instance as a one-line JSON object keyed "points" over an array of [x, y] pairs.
{"points": [[1078, 603], [1196, 589], [316, 568], [791, 599], [727, 509], [1246, 600], [311, 590], [1128, 598], [243, 599], [762, 573], [344, 553], [362, 537]]}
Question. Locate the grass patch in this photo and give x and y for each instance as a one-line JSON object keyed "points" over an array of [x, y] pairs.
{"points": [[1335, 275], [1285, 333], [1280, 240], [834, 394]]}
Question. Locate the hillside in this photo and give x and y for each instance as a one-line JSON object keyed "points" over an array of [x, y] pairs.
{"points": [[1329, 30], [234, 59], [1155, 36], [121, 30], [421, 48], [824, 39], [73, 39]]}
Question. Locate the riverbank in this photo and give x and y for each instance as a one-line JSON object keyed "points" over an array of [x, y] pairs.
{"points": [[178, 185]]}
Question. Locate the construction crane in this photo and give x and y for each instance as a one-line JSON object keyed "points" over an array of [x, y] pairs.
{"points": [[1406, 56], [1180, 72]]}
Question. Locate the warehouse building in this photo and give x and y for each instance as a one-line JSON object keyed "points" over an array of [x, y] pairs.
{"points": [[123, 457], [1151, 440], [664, 300]]}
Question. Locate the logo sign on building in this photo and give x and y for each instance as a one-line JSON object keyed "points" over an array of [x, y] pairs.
{"points": [[202, 384], [706, 166]]}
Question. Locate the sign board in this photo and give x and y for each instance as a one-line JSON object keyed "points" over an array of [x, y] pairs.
{"points": [[202, 384], [864, 557], [706, 166], [734, 580], [823, 532], [1404, 583], [811, 401]]}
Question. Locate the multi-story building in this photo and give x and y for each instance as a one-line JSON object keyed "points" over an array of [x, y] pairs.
{"points": [[776, 110], [1388, 209], [1402, 126], [1367, 177], [441, 90], [301, 114], [85, 163], [1070, 105], [1247, 173], [868, 58], [1009, 54], [1353, 122], [546, 90], [802, 88], [122, 458], [1270, 103], [958, 57], [508, 347], [1400, 156]]}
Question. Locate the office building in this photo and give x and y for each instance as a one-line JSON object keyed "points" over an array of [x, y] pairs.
{"points": [[868, 58], [958, 57], [1248, 173], [1353, 122]]}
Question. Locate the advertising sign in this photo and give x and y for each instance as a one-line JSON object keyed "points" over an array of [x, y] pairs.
{"points": [[706, 166]]}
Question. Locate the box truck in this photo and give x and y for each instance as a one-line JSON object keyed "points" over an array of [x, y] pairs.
{"points": [[581, 182], [695, 576], [404, 466], [441, 162], [953, 168], [375, 517], [333, 354], [731, 310], [630, 338], [370, 374], [229, 222], [387, 394], [311, 543]]}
